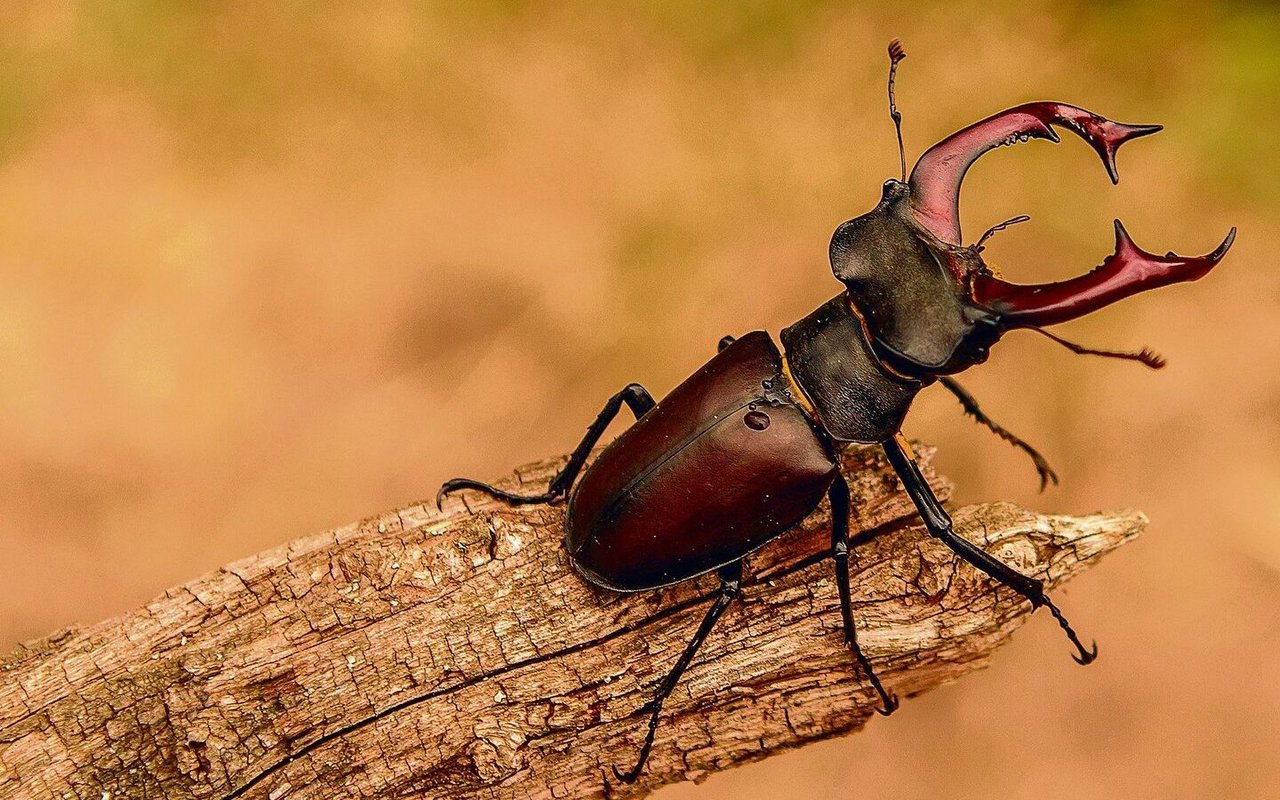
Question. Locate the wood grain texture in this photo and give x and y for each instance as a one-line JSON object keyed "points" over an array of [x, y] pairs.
{"points": [[456, 655]]}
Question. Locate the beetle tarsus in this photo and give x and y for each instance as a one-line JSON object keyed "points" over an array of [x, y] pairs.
{"points": [[457, 484], [730, 588], [637, 399], [971, 408], [628, 777], [890, 703], [1083, 656], [654, 707], [838, 495]]}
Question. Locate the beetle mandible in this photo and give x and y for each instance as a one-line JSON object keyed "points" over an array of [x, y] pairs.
{"points": [[749, 445]]}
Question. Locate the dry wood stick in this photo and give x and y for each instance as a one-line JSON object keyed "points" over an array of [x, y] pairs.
{"points": [[456, 655]]}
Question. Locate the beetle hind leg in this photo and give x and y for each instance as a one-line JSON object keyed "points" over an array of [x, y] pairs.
{"points": [[636, 397], [730, 588], [838, 494]]}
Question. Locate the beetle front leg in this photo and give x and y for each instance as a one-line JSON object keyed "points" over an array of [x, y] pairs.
{"points": [[971, 408], [730, 588], [938, 523], [838, 494], [637, 399]]}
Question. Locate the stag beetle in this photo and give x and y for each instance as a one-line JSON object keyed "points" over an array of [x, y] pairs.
{"points": [[749, 445]]}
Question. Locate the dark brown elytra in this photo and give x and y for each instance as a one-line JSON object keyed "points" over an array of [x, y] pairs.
{"points": [[749, 444]]}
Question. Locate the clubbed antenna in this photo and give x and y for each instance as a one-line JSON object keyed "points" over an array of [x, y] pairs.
{"points": [[1147, 357], [994, 229], [896, 54]]}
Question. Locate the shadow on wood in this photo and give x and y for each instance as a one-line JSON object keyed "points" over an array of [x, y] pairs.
{"points": [[456, 655]]}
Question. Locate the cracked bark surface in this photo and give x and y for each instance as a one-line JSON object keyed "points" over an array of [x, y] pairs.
{"points": [[457, 655]]}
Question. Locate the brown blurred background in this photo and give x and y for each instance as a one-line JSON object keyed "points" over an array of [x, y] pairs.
{"points": [[269, 267]]}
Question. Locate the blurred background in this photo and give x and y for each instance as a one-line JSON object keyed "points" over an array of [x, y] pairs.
{"points": [[267, 268]]}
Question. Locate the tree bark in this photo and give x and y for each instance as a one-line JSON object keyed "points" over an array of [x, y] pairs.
{"points": [[457, 655]]}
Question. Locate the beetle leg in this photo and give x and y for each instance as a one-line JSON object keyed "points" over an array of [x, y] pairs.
{"points": [[637, 399], [839, 497], [938, 523], [971, 408], [730, 588]]}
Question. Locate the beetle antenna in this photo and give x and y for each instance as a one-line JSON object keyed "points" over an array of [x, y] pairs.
{"points": [[994, 229], [896, 54], [1146, 356]]}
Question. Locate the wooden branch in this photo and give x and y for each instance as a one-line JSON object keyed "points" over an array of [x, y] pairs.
{"points": [[456, 655]]}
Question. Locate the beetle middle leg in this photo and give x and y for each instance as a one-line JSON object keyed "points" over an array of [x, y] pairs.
{"points": [[730, 588], [971, 408], [838, 494], [637, 399], [938, 523]]}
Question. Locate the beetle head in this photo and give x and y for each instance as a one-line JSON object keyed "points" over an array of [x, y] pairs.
{"points": [[930, 303], [910, 288]]}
